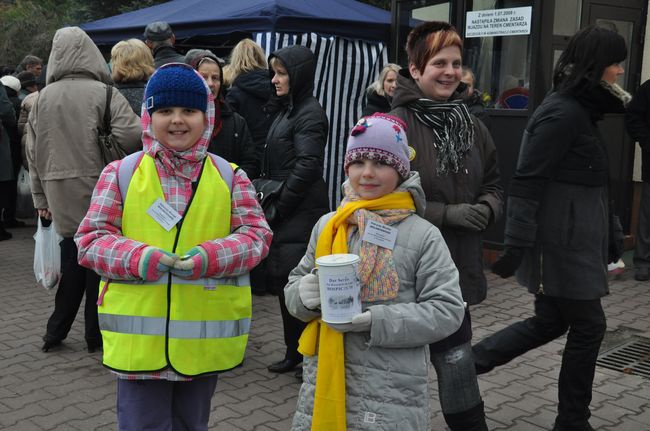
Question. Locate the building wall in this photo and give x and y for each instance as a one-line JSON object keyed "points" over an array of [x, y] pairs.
{"points": [[645, 75]]}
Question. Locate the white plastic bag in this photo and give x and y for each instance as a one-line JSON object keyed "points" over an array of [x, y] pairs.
{"points": [[47, 255], [24, 203]]}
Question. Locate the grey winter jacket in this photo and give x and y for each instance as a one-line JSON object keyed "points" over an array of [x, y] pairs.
{"points": [[62, 152], [386, 368]]}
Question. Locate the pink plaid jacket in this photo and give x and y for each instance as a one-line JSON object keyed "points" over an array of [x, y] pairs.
{"points": [[104, 249]]}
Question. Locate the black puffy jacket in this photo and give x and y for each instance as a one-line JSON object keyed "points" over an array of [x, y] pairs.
{"points": [[234, 142], [294, 153], [247, 96], [375, 102]]}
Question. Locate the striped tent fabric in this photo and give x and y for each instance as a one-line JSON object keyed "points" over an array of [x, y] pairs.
{"points": [[344, 70]]}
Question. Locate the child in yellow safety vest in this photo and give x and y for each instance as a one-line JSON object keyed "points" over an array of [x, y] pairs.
{"points": [[174, 232], [372, 371]]}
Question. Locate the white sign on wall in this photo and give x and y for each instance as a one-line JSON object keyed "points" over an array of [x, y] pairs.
{"points": [[498, 22]]}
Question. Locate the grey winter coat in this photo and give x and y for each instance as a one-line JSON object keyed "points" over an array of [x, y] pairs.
{"points": [[386, 369], [62, 152], [477, 181]]}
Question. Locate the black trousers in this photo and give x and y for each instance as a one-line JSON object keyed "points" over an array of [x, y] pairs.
{"points": [[585, 321], [75, 281], [642, 243], [291, 326]]}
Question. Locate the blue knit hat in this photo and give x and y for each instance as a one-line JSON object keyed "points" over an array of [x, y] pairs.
{"points": [[176, 84]]}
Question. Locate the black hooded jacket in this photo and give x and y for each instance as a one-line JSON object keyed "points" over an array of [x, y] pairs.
{"points": [[294, 153], [375, 102], [247, 96], [233, 142]]}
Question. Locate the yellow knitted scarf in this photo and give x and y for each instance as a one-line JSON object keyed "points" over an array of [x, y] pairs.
{"points": [[329, 399]]}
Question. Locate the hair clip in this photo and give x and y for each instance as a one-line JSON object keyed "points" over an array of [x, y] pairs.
{"points": [[360, 127]]}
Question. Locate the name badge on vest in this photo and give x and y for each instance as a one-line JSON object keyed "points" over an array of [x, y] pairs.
{"points": [[380, 234], [164, 214]]}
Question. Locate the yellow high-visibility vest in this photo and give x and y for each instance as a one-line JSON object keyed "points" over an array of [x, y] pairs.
{"points": [[191, 326]]}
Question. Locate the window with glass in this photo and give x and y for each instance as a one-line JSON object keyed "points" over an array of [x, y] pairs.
{"points": [[501, 64], [410, 13]]}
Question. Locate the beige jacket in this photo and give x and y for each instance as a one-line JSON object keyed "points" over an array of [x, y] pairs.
{"points": [[25, 109], [62, 151]]}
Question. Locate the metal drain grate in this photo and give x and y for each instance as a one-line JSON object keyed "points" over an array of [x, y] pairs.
{"points": [[632, 357]]}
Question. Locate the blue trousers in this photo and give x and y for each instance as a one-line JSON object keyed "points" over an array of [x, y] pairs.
{"points": [[162, 405]]}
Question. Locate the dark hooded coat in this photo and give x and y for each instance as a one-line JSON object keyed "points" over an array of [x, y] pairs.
{"points": [[247, 96], [558, 199], [477, 181], [234, 141], [294, 152], [375, 102]]}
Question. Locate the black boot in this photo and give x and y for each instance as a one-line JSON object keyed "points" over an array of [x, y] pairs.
{"points": [[284, 366], [469, 420], [48, 345], [3, 233]]}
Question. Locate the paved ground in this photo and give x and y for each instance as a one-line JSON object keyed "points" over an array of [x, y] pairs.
{"points": [[67, 389]]}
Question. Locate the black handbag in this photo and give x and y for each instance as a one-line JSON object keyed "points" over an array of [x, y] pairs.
{"points": [[268, 191], [109, 148]]}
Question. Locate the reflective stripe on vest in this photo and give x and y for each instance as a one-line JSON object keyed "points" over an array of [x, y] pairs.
{"points": [[193, 326], [242, 281], [187, 329]]}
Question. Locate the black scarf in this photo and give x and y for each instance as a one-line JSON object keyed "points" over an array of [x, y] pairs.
{"points": [[452, 127], [603, 99]]}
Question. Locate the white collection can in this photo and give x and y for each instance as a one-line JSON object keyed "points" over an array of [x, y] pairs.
{"points": [[339, 287]]}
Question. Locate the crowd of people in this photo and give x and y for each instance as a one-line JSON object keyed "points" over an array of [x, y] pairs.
{"points": [[222, 193]]}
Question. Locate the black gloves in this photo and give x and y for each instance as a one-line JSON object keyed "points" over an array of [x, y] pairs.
{"points": [[508, 262], [472, 217]]}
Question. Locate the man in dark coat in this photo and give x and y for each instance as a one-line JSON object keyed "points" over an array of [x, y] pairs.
{"points": [[160, 39], [637, 122]]}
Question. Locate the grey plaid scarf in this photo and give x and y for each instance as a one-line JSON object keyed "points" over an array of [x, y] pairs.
{"points": [[453, 131]]}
